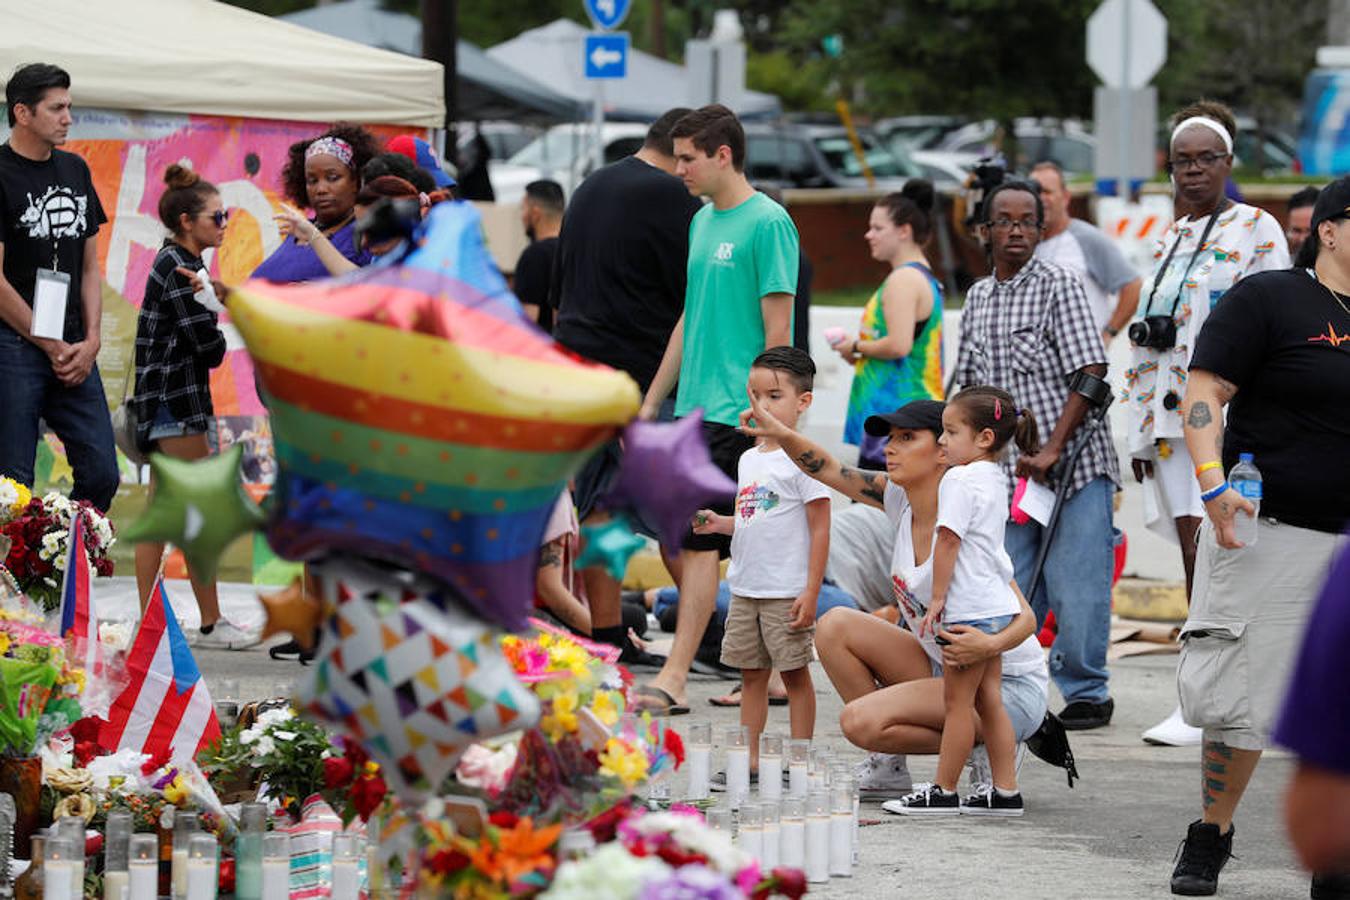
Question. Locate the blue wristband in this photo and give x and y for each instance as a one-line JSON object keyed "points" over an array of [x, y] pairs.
{"points": [[1213, 492]]}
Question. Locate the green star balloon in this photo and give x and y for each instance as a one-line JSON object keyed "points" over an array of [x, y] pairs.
{"points": [[609, 544], [199, 507]]}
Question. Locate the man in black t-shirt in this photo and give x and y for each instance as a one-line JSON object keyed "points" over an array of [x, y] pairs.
{"points": [[541, 212], [49, 211], [618, 289]]}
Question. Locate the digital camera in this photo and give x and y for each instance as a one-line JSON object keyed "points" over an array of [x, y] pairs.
{"points": [[1155, 332]]}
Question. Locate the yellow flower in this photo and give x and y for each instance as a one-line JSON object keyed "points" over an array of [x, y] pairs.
{"points": [[73, 676], [371, 767], [176, 791], [604, 707], [626, 763], [562, 717], [4, 643]]}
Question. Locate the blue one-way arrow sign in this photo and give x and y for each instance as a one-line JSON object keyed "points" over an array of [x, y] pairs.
{"points": [[606, 55], [608, 14]]}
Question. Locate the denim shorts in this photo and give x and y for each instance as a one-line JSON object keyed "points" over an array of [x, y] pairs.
{"points": [[164, 425], [991, 625], [1025, 699]]}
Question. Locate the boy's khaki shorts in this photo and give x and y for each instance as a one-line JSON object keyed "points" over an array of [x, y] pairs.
{"points": [[757, 636]]}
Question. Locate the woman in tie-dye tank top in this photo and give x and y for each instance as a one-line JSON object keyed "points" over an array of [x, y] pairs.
{"points": [[897, 354]]}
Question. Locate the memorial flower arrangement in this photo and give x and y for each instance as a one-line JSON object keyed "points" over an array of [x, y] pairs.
{"points": [[289, 759], [39, 687], [39, 533]]}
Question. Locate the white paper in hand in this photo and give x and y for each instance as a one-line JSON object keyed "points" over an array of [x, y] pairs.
{"points": [[207, 295], [1037, 501]]}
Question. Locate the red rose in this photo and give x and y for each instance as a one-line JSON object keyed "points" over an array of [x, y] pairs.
{"points": [[675, 856], [504, 818], [367, 794], [155, 763], [93, 844], [675, 746], [104, 567], [788, 881], [225, 884], [86, 752], [447, 862], [337, 772], [605, 826], [86, 729], [354, 752]]}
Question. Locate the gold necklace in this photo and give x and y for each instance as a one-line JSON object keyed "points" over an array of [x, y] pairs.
{"points": [[1335, 296]]}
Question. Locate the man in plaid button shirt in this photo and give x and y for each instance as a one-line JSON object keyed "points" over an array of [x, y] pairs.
{"points": [[1027, 329]]}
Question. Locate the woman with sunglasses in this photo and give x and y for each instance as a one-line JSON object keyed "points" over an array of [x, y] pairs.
{"points": [[322, 174], [178, 343], [1213, 244]]}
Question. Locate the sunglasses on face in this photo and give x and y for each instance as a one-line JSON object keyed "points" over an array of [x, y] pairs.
{"points": [[220, 217]]}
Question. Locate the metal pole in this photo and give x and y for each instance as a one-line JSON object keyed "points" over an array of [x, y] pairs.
{"points": [[440, 28], [599, 121], [1122, 188]]}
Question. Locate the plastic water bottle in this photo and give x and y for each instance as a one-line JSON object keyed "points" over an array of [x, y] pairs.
{"points": [[1246, 480]]}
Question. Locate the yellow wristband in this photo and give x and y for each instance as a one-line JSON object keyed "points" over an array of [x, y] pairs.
{"points": [[1205, 467]]}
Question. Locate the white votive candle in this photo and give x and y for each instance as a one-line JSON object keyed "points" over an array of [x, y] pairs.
{"points": [[738, 771], [817, 848], [276, 879], [770, 777], [58, 880], [772, 852], [699, 761], [178, 873], [201, 879], [346, 879], [116, 885], [841, 844]]}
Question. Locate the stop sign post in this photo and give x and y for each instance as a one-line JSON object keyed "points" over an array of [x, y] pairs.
{"points": [[1126, 46]]}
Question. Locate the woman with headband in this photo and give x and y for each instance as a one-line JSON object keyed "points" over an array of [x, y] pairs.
{"points": [[323, 175], [1213, 244]]}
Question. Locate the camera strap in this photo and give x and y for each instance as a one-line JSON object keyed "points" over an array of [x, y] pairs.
{"points": [[1195, 254]]}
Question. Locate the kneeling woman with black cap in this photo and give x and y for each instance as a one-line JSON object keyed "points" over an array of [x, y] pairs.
{"points": [[861, 651]]}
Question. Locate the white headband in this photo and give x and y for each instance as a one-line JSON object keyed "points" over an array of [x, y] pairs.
{"points": [[1205, 122]]}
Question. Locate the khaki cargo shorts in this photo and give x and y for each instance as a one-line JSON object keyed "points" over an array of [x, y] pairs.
{"points": [[1248, 612], [757, 636]]}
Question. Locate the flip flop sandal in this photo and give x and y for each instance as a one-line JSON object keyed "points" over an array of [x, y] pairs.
{"points": [[657, 701], [732, 698]]}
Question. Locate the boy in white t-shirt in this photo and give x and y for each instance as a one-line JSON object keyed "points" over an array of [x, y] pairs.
{"points": [[972, 577], [780, 540]]}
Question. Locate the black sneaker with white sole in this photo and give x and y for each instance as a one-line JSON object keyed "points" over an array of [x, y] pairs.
{"points": [[987, 801], [925, 800]]}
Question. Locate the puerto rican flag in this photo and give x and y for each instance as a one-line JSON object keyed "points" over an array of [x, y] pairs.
{"points": [[77, 601], [165, 707]]}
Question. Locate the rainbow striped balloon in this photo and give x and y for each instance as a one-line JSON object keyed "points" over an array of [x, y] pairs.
{"points": [[418, 418]]}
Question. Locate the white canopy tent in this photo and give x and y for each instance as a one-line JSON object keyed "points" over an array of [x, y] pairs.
{"points": [[207, 58]]}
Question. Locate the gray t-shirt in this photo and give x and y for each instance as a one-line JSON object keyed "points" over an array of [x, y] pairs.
{"points": [[1083, 249], [862, 540]]}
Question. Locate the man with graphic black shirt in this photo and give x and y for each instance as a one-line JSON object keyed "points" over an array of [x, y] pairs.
{"points": [[48, 213]]}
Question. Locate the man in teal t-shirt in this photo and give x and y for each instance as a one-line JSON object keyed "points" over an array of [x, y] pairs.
{"points": [[742, 276]]}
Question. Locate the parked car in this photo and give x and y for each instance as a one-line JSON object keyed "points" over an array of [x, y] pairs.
{"points": [[564, 153], [1064, 141], [917, 132], [821, 156]]}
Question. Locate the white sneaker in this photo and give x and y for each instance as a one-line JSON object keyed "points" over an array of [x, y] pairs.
{"points": [[883, 775], [227, 636], [1174, 732], [981, 773]]}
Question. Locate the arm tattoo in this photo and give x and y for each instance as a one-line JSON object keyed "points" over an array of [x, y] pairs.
{"points": [[874, 484], [1200, 415], [550, 554], [811, 463], [1227, 390]]}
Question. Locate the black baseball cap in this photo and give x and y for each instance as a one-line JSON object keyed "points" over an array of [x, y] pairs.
{"points": [[919, 415], [1332, 203]]}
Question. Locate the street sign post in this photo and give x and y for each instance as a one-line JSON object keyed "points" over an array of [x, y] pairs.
{"points": [[606, 55], [1126, 46], [608, 14]]}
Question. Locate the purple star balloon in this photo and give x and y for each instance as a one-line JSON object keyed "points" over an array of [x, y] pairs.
{"points": [[667, 475]]}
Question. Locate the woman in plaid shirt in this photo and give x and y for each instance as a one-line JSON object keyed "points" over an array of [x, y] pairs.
{"points": [[178, 343]]}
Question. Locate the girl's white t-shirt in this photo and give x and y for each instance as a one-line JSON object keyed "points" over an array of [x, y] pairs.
{"points": [[912, 585], [973, 505], [771, 544]]}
